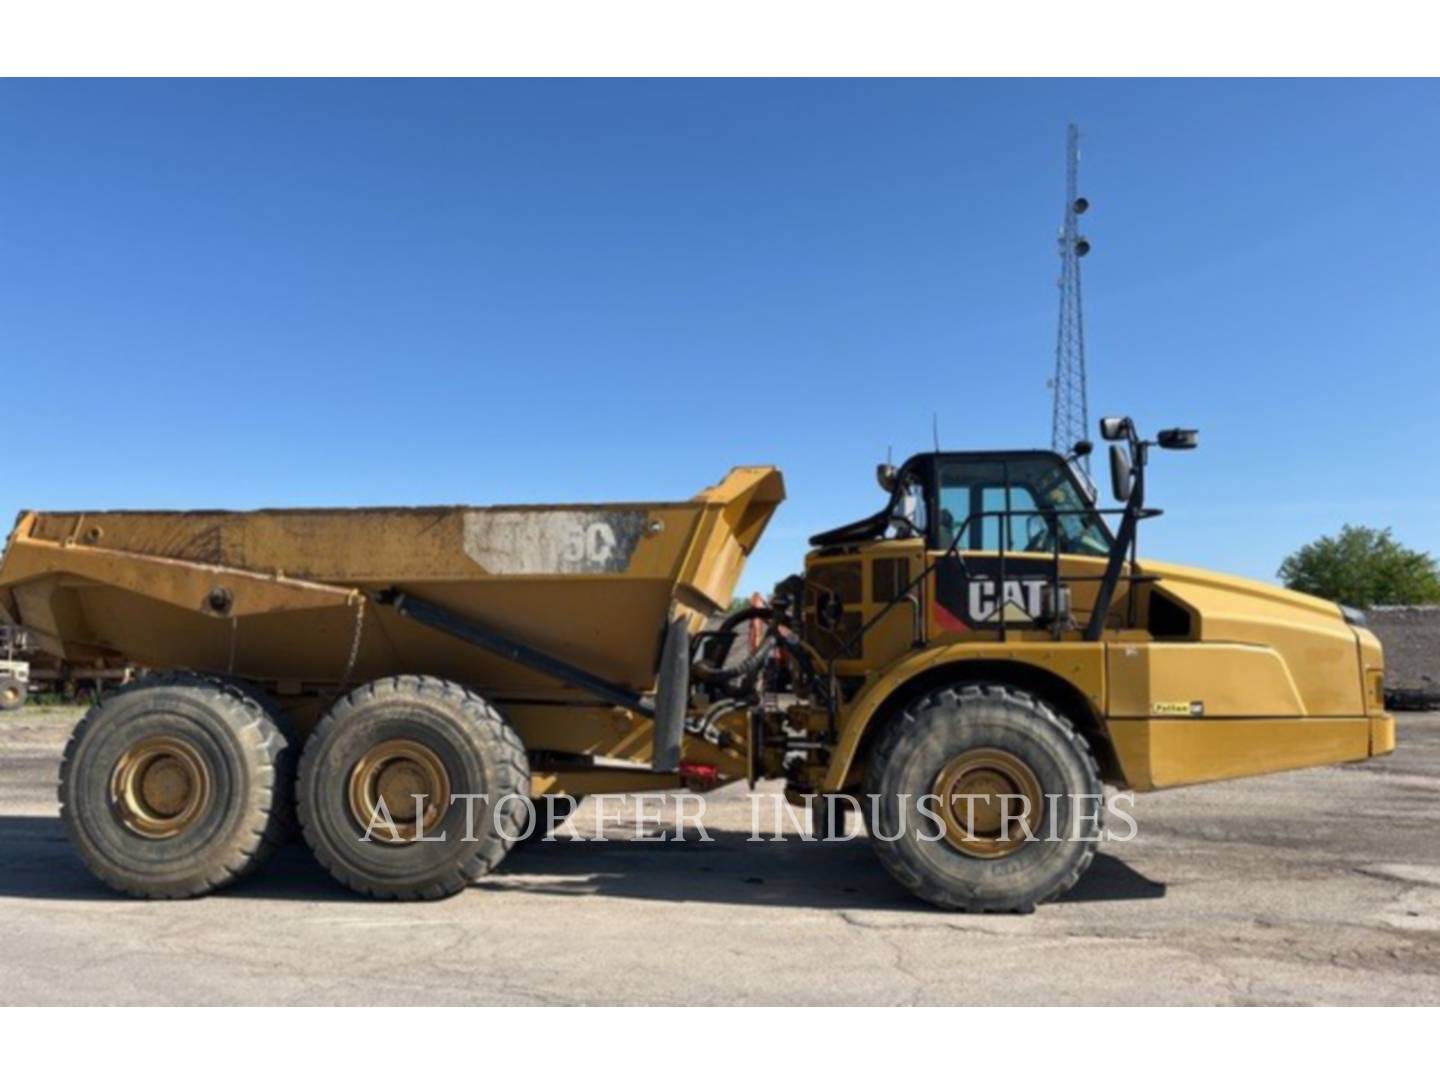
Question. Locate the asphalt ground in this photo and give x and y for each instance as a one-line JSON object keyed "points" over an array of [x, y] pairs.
{"points": [[1320, 886]]}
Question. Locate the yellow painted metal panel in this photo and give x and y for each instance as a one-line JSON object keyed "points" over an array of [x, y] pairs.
{"points": [[1316, 645], [1382, 735], [1211, 679], [1168, 753], [593, 584], [1082, 664]]}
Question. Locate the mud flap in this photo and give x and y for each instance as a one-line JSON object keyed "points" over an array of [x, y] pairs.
{"points": [[672, 697]]}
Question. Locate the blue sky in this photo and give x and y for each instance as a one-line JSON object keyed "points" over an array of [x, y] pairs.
{"points": [[292, 293]]}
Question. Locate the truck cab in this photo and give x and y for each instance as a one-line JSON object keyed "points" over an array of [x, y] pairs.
{"points": [[1005, 564], [992, 528]]}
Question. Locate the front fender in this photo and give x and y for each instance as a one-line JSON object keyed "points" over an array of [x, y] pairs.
{"points": [[1080, 664]]}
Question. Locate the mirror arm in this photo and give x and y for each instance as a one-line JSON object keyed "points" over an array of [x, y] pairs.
{"points": [[1123, 547]]}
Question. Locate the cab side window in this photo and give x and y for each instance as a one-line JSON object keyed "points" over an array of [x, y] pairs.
{"points": [[1027, 504], [1078, 531], [1020, 531], [962, 502]]}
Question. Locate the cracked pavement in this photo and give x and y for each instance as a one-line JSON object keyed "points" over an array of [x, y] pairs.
{"points": [[1320, 886]]}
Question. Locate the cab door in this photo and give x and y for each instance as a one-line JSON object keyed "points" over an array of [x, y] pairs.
{"points": [[1017, 526]]}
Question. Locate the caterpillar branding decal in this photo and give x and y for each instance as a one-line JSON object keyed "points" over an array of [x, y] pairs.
{"points": [[975, 597], [553, 541]]}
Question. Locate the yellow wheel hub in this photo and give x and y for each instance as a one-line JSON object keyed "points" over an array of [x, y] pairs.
{"points": [[160, 787], [9, 693], [395, 773], [984, 796]]}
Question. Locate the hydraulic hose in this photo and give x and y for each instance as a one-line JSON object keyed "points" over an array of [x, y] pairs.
{"points": [[738, 670], [707, 672], [736, 617]]}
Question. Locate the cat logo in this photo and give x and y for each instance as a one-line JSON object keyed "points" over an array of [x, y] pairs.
{"points": [[973, 594], [1021, 600]]}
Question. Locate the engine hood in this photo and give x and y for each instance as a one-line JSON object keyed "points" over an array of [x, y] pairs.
{"points": [[1177, 577], [1317, 666]]}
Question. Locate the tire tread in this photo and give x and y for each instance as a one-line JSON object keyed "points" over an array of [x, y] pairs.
{"points": [[501, 741], [262, 744], [956, 696]]}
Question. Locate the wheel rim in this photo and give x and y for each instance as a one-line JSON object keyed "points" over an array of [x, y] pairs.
{"points": [[160, 787], [396, 772], [994, 781], [9, 695]]}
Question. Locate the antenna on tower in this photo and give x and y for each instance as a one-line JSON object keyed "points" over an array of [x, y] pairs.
{"points": [[1071, 419]]}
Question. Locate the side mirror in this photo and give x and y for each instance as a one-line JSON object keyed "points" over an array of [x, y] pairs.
{"points": [[1176, 438], [1115, 428], [1082, 449], [1120, 484], [885, 477]]}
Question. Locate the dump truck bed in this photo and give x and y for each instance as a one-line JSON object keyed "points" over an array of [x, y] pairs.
{"points": [[279, 595]]}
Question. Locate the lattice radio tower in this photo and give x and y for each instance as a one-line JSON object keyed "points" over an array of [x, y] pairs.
{"points": [[1071, 420]]}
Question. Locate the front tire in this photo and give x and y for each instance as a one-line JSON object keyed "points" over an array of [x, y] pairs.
{"points": [[997, 751], [379, 748], [173, 787]]}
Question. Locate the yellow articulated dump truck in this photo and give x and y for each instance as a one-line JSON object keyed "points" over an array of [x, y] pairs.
{"points": [[971, 664]]}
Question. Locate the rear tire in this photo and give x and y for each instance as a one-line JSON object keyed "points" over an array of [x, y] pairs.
{"points": [[984, 738], [170, 788], [287, 762], [403, 736]]}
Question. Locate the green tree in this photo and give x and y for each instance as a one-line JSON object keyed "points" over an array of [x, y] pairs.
{"points": [[1363, 567]]}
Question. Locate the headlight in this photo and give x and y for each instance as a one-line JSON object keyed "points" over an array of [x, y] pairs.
{"points": [[1353, 616]]}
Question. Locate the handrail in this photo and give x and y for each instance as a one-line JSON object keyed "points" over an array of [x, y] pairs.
{"points": [[1052, 517]]}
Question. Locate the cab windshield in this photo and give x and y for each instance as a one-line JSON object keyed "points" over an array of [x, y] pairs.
{"points": [[1004, 502]]}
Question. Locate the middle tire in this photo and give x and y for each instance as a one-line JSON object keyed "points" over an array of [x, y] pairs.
{"points": [[389, 742]]}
